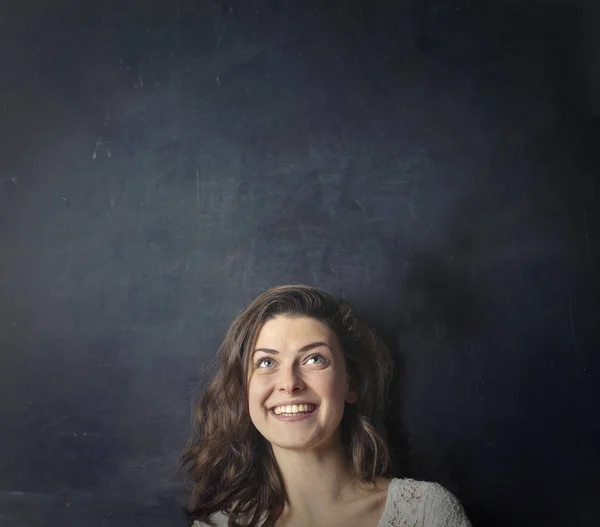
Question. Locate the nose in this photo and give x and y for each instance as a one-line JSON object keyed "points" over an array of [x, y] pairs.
{"points": [[290, 380]]}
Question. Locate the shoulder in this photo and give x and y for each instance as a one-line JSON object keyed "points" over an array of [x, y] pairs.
{"points": [[425, 503], [219, 519]]}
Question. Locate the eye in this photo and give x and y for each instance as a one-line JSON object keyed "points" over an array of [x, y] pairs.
{"points": [[261, 361], [318, 356]]}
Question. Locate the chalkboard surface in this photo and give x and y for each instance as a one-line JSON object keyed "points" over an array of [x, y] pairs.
{"points": [[162, 163]]}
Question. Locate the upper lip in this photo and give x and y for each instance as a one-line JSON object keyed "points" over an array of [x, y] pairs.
{"points": [[291, 404]]}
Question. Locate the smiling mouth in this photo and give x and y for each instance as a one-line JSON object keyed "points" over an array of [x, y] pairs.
{"points": [[293, 410]]}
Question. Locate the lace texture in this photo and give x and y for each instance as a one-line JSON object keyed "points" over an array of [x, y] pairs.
{"points": [[412, 503]]}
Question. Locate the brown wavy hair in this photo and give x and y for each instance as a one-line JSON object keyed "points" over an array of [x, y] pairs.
{"points": [[230, 467]]}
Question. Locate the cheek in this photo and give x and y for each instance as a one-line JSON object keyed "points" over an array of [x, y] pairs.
{"points": [[334, 390], [340, 382], [257, 391]]}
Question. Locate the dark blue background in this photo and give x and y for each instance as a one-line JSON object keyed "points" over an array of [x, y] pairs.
{"points": [[162, 162]]}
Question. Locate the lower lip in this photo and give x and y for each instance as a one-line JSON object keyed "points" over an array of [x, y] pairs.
{"points": [[299, 417]]}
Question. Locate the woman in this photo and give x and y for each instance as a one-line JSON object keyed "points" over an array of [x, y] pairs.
{"points": [[290, 432]]}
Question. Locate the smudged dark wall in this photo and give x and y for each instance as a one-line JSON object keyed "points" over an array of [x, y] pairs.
{"points": [[163, 162]]}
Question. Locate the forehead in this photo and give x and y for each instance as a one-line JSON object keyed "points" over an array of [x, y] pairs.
{"points": [[285, 331]]}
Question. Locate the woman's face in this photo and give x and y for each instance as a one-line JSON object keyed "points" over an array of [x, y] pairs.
{"points": [[297, 360]]}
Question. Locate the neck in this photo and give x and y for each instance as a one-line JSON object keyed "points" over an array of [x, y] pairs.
{"points": [[315, 480]]}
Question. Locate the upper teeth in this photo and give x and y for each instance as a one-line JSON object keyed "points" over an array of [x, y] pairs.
{"points": [[293, 408]]}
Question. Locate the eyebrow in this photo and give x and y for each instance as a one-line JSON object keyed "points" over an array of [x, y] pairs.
{"points": [[303, 349]]}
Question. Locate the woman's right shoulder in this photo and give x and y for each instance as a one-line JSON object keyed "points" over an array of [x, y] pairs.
{"points": [[218, 518]]}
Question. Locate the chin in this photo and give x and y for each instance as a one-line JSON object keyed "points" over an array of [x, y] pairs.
{"points": [[291, 441], [298, 444], [292, 446]]}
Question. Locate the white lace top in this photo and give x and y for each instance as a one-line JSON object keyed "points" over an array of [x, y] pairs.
{"points": [[409, 503]]}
